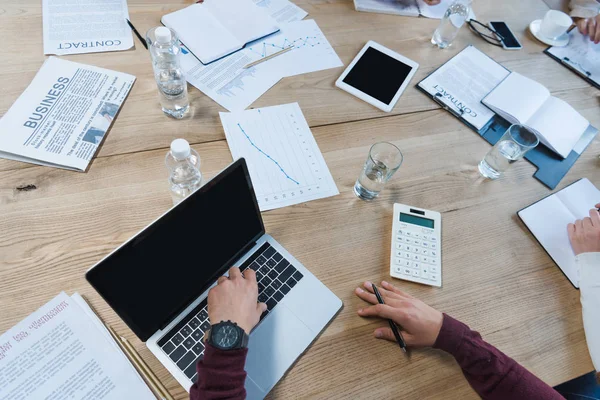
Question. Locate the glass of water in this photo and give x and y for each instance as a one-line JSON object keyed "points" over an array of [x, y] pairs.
{"points": [[511, 147], [382, 163]]}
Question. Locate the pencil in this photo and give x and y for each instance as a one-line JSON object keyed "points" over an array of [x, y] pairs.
{"points": [[393, 326], [252, 64], [137, 33], [139, 364]]}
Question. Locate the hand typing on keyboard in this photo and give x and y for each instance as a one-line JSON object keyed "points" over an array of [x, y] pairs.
{"points": [[420, 323], [235, 299]]}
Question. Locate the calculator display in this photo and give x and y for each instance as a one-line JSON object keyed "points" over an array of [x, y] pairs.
{"points": [[411, 219]]}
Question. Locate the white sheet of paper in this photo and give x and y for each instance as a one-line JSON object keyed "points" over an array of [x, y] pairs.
{"points": [[58, 352], [581, 54], [284, 160], [463, 82], [282, 11], [63, 115], [312, 52], [393, 7], [235, 88], [548, 220], [75, 27]]}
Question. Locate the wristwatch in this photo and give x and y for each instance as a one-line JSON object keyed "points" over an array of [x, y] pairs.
{"points": [[226, 335]]}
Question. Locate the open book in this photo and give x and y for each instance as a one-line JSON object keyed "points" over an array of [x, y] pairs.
{"points": [[521, 100], [409, 8], [216, 28], [548, 219]]}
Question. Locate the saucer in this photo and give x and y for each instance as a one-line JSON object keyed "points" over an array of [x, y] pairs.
{"points": [[560, 41]]}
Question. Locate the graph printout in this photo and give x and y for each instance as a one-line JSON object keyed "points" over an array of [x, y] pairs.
{"points": [[285, 163]]}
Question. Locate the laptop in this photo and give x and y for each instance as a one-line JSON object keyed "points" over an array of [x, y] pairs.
{"points": [[158, 282]]}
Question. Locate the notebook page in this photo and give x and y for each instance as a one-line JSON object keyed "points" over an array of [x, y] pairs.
{"points": [[580, 198], [559, 125], [548, 220], [243, 19], [202, 33], [517, 96]]}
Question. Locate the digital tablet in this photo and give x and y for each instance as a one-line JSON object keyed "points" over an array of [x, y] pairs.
{"points": [[378, 76]]}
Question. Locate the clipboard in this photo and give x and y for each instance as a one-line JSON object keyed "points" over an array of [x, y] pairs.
{"points": [[551, 168]]}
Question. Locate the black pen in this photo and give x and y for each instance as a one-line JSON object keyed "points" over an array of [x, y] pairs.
{"points": [[137, 33], [393, 326]]}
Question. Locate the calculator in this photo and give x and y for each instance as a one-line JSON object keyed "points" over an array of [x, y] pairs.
{"points": [[416, 245]]}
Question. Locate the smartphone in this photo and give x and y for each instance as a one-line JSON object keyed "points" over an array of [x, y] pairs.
{"points": [[509, 41]]}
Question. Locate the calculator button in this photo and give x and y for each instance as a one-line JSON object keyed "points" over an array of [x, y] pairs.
{"points": [[408, 248], [433, 239], [432, 277], [416, 257], [425, 237], [400, 232], [416, 236], [433, 253], [425, 252], [425, 244], [398, 261], [408, 241], [416, 265], [417, 242], [433, 246], [426, 260], [416, 273], [406, 263], [425, 270], [400, 239], [433, 269], [406, 271], [408, 234], [400, 246]]}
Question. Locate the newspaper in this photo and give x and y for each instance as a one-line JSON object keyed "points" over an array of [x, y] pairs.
{"points": [[85, 26], [63, 116]]}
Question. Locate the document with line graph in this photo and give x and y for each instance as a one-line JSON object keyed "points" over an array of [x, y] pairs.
{"points": [[285, 163]]}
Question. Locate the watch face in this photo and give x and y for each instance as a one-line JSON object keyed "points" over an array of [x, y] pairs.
{"points": [[226, 336]]}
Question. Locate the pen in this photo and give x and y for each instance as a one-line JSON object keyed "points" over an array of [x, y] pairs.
{"points": [[393, 326], [252, 64], [137, 33]]}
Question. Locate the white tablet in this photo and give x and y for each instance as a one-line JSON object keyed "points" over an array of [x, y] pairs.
{"points": [[378, 76]]}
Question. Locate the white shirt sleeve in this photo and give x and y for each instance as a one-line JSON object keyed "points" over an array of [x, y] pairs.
{"points": [[589, 286]]}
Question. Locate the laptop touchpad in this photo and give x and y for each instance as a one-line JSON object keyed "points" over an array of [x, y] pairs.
{"points": [[275, 345]]}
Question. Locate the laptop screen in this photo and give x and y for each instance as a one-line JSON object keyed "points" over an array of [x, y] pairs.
{"points": [[165, 267]]}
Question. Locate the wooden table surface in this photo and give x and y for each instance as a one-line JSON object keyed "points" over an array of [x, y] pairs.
{"points": [[496, 277]]}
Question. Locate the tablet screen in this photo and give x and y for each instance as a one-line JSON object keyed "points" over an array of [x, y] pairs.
{"points": [[378, 75]]}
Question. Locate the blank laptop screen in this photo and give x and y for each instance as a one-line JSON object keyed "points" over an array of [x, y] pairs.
{"points": [[159, 272]]}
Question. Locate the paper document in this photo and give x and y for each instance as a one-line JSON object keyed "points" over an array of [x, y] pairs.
{"points": [[463, 82], [63, 115], [408, 8], [282, 10], [581, 55], [62, 351], [548, 219], [91, 26], [285, 163], [235, 88]]}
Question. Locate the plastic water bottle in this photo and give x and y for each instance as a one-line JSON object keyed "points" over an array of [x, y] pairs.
{"points": [[183, 164], [172, 86], [453, 20]]}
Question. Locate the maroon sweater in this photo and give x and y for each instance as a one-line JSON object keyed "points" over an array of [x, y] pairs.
{"points": [[491, 373]]}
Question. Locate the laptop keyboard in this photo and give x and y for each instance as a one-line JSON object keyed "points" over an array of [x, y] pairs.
{"points": [[184, 344]]}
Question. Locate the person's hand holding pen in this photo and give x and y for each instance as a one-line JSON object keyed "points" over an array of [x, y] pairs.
{"points": [[419, 322], [584, 234], [590, 27]]}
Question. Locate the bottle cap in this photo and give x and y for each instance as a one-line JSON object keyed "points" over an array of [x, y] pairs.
{"points": [[163, 35], [180, 148]]}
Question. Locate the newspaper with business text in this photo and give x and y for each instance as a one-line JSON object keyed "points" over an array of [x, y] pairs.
{"points": [[63, 116]]}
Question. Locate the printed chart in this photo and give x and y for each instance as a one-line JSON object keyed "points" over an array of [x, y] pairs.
{"points": [[285, 163]]}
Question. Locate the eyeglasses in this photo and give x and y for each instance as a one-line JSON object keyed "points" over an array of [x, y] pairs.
{"points": [[485, 32]]}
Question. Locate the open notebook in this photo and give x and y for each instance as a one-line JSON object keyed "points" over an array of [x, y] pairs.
{"points": [[548, 219], [216, 28], [521, 100]]}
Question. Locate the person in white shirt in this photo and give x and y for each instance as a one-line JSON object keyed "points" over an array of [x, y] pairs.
{"points": [[584, 235], [586, 14]]}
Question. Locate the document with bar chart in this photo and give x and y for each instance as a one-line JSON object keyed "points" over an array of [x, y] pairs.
{"points": [[285, 163]]}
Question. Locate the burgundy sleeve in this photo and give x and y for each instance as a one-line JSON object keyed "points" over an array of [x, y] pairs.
{"points": [[491, 373], [221, 375]]}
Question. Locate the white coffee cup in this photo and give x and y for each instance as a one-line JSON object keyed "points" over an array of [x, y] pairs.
{"points": [[555, 24]]}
